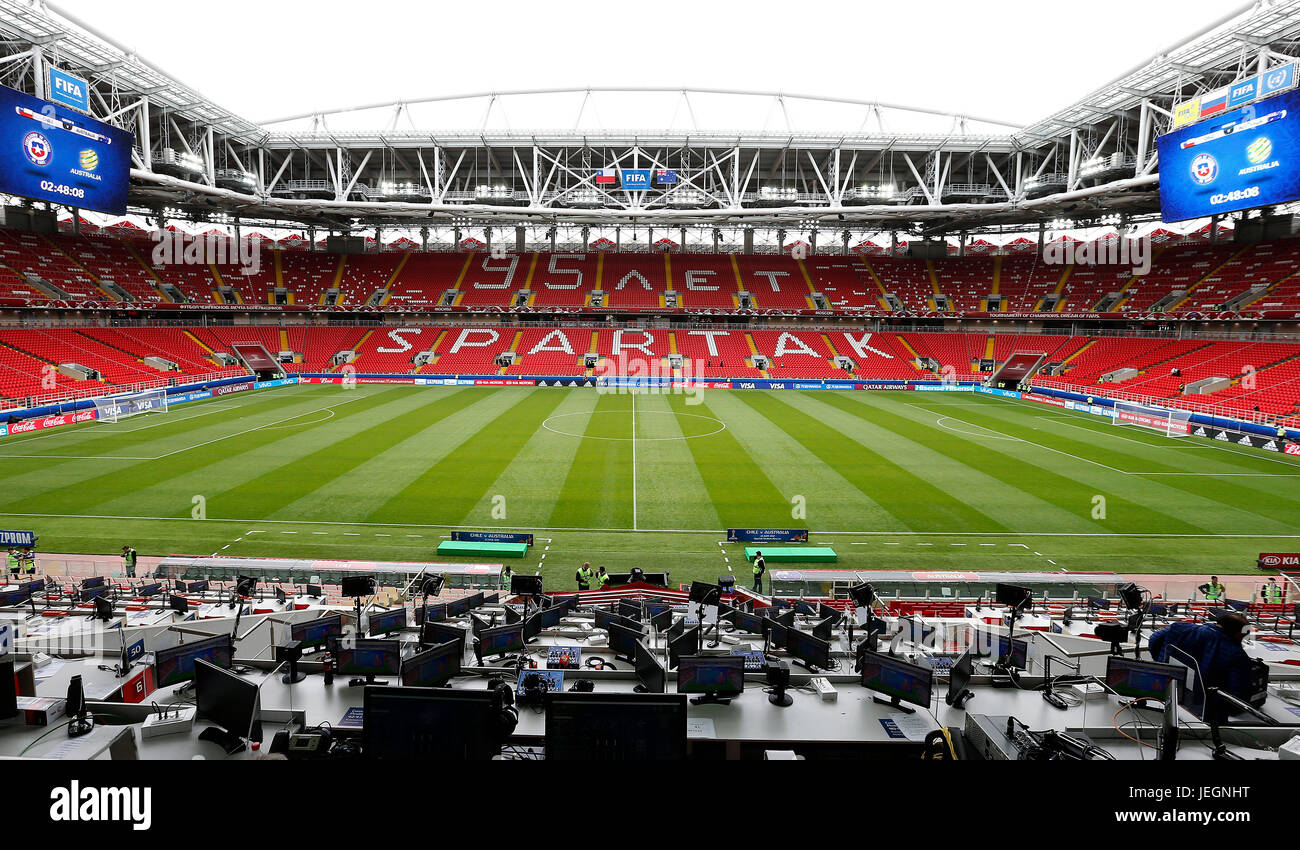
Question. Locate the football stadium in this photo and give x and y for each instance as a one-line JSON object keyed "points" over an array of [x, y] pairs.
{"points": [[646, 421]]}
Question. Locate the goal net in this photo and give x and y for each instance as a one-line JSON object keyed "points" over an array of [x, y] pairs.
{"points": [[1171, 423], [116, 407]]}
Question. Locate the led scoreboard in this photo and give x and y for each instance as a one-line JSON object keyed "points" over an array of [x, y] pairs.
{"points": [[52, 153], [1246, 158]]}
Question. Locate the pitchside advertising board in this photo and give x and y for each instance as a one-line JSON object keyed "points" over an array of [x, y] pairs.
{"points": [[17, 538], [493, 537], [767, 535], [1237, 160], [1274, 560], [53, 153]]}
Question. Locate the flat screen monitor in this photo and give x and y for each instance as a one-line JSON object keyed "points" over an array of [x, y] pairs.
{"points": [[687, 643], [705, 592], [89, 594], [1013, 595], [825, 629], [824, 611], [1237, 604], [92, 581], [526, 585], [720, 675], [959, 676], [750, 623], [812, 650], [367, 657], [315, 591], [179, 604], [604, 619], [623, 641], [631, 610], [1013, 654], [615, 727], [532, 626], [150, 589], [490, 599], [512, 615], [280, 596], [196, 587], [353, 586], [430, 613], [317, 632], [650, 671], [914, 630], [432, 634], [502, 640], [1139, 679], [175, 664], [802, 606], [433, 668], [458, 607], [550, 617], [475, 600], [438, 724], [1101, 603], [227, 700], [387, 622], [897, 679]]}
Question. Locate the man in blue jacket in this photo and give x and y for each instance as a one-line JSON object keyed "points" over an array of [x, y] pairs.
{"points": [[1216, 648]]}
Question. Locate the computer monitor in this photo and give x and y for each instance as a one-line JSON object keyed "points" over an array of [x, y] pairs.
{"points": [[315, 591], [442, 724], [811, 650], [826, 628], [604, 619], [716, 678], [897, 679], [603, 726], [675, 629], [280, 596], [1141, 679], [650, 672], [1012, 595], [178, 586], [750, 623], [475, 600], [367, 658], [502, 640], [179, 604], [150, 589], [631, 610], [705, 592], [914, 630], [1101, 603], [824, 611], [686, 643], [458, 607], [803, 606], [959, 677], [1237, 604], [550, 617], [197, 587], [430, 613], [532, 626], [433, 668], [92, 582], [526, 585], [490, 599], [478, 625], [432, 634], [623, 641], [318, 632], [175, 664], [228, 701], [354, 586], [512, 615], [1169, 730], [90, 594], [387, 622]]}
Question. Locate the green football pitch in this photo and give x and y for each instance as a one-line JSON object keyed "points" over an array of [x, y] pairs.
{"points": [[892, 480]]}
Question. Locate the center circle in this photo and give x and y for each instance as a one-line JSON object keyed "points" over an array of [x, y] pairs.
{"points": [[722, 426]]}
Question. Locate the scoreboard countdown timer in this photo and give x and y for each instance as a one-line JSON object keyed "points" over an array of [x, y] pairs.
{"points": [[52, 153], [1246, 158]]}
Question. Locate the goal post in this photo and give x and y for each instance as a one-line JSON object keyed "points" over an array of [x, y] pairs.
{"points": [[1167, 421], [117, 407]]}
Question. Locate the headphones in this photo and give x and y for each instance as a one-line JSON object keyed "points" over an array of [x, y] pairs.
{"points": [[506, 716], [534, 689]]}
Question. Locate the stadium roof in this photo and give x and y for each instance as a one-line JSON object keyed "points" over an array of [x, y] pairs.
{"points": [[752, 158]]}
